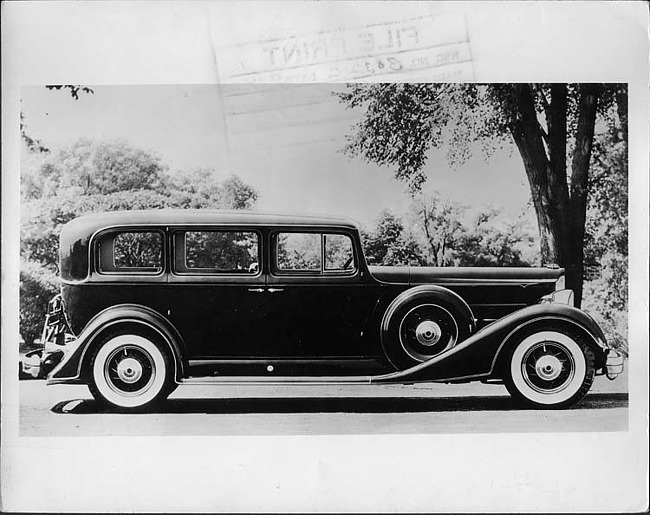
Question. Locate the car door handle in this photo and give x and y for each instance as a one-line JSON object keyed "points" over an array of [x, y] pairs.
{"points": [[256, 290], [273, 290]]}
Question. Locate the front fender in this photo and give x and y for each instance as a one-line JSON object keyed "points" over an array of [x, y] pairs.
{"points": [[69, 370], [476, 357]]}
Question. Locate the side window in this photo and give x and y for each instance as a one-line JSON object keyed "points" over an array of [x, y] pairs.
{"points": [[131, 251], [220, 252], [338, 252], [314, 252], [299, 251]]}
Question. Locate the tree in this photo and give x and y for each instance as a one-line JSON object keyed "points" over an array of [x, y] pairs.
{"points": [[438, 236], [389, 244], [35, 145], [197, 189], [440, 223], [89, 167], [551, 125], [492, 240]]}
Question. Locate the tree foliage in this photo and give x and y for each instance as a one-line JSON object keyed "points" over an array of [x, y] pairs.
{"points": [[606, 245], [551, 125], [440, 227], [388, 243], [494, 240], [439, 234]]}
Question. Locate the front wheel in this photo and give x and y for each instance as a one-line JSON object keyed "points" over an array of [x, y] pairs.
{"points": [[130, 371], [550, 369]]}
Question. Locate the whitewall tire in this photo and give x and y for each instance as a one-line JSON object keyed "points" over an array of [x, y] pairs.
{"points": [[550, 369], [130, 371]]}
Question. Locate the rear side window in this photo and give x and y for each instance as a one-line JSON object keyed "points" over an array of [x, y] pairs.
{"points": [[131, 251], [226, 252]]}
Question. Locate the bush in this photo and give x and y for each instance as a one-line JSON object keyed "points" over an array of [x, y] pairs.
{"points": [[37, 286], [612, 319]]}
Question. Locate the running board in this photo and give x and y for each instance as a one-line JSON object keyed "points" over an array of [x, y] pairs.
{"points": [[257, 380]]}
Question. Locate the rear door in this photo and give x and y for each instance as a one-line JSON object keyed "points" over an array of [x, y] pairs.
{"points": [[216, 291]]}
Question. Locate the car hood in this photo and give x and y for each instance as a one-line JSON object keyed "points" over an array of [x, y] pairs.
{"points": [[412, 275]]}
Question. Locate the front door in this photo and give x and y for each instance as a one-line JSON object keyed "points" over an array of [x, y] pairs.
{"points": [[320, 298]]}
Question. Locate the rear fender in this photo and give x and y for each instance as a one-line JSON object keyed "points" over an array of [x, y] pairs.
{"points": [[477, 356], [72, 366]]}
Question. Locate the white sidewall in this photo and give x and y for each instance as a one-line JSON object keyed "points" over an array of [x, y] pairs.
{"points": [[105, 388], [525, 389]]}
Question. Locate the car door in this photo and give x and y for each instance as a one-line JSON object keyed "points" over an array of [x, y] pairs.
{"points": [[321, 296], [216, 291]]}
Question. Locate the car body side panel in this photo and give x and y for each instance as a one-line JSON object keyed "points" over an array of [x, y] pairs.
{"points": [[83, 302]]}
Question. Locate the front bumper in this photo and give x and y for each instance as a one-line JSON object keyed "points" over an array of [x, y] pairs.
{"points": [[614, 364], [30, 363], [40, 362]]}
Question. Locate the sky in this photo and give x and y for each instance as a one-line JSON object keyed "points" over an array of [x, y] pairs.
{"points": [[284, 140]]}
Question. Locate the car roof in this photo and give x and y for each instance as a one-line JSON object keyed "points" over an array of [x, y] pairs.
{"points": [[75, 236], [97, 221]]}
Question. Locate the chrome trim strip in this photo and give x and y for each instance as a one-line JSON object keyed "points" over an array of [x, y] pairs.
{"points": [[280, 360], [489, 281], [279, 380]]}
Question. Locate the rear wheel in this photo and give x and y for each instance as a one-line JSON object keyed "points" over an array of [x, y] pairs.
{"points": [[130, 371], [550, 369]]}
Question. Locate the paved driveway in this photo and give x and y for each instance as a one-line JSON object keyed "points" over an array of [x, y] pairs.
{"points": [[65, 410]]}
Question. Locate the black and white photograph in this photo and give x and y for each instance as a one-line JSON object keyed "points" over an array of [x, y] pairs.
{"points": [[186, 272], [341, 243]]}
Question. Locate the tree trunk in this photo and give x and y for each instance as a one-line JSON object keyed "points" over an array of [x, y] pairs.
{"points": [[549, 193], [587, 105], [561, 216]]}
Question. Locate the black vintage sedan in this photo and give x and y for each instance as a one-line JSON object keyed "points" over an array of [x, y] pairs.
{"points": [[153, 299]]}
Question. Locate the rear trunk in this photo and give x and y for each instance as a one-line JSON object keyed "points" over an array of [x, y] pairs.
{"points": [[490, 292]]}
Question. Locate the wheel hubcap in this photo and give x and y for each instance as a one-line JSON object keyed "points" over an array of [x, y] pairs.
{"points": [[129, 370], [548, 367], [428, 333]]}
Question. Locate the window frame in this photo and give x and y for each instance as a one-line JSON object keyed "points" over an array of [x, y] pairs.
{"points": [[276, 271], [111, 235], [179, 268]]}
